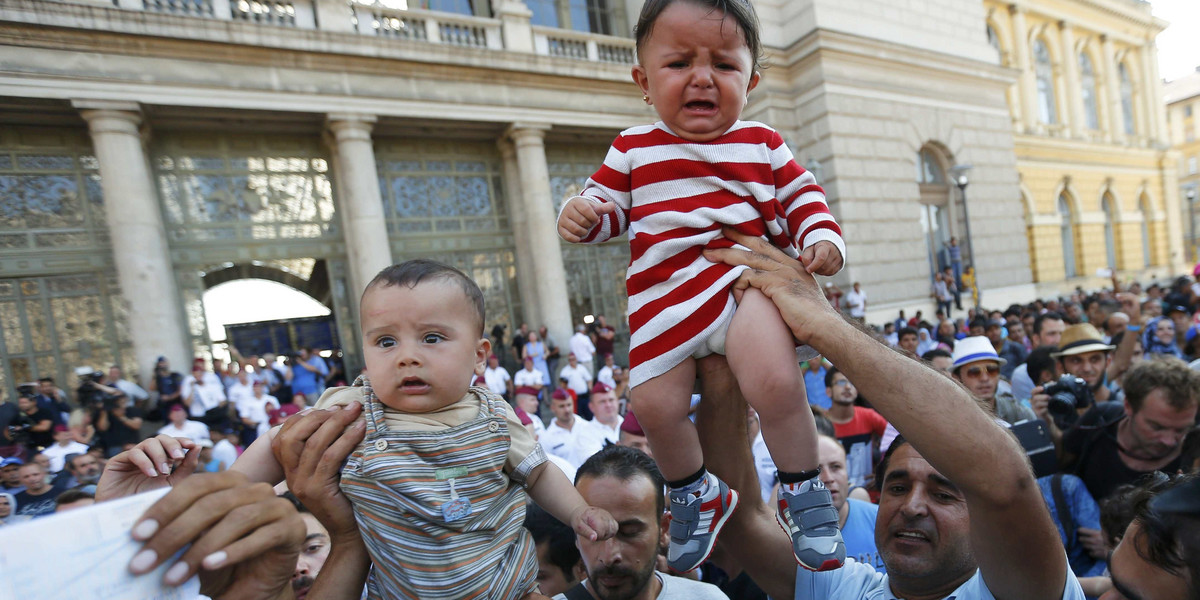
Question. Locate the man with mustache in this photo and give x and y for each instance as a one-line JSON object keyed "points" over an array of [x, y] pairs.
{"points": [[312, 554], [626, 482]]}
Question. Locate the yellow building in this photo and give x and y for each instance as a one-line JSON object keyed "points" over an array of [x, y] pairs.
{"points": [[1183, 103], [1097, 175]]}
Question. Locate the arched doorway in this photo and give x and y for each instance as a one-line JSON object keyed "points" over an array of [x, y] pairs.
{"points": [[936, 208]]}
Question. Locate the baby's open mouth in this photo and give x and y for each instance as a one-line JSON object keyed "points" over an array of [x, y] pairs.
{"points": [[700, 105], [412, 382]]}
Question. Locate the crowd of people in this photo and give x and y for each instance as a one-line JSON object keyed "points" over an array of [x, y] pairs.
{"points": [[54, 443]]}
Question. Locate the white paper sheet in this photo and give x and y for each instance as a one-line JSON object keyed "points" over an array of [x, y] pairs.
{"points": [[83, 554]]}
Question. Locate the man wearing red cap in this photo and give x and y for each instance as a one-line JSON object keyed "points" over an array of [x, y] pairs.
{"points": [[569, 436], [604, 412], [62, 446], [632, 434], [182, 427]]}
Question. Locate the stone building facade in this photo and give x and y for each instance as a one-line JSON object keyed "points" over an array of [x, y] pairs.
{"points": [[1097, 177], [1183, 122], [150, 149]]}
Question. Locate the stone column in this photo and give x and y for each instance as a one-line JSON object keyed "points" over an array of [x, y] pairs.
{"points": [[1168, 165], [1070, 62], [1112, 92], [519, 222], [157, 324], [334, 15], [1027, 82], [361, 207], [541, 230], [1150, 98], [1158, 113]]}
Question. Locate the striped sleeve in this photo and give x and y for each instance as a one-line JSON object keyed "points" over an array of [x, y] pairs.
{"points": [[807, 213], [612, 183]]}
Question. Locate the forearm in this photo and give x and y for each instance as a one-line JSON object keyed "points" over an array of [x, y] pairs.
{"points": [[345, 571], [549, 487], [931, 411], [1123, 356], [258, 462]]}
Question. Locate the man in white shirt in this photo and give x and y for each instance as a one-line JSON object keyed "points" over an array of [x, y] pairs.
{"points": [[497, 378], [604, 412], [569, 436], [133, 392], [202, 393], [529, 376], [62, 446], [605, 375], [253, 412], [856, 301], [242, 388], [181, 427], [578, 376], [581, 346]]}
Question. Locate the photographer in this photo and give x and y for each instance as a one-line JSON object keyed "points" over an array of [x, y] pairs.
{"points": [[33, 425], [168, 384], [116, 424]]}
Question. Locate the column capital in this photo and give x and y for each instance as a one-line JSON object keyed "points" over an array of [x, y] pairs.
{"points": [[111, 117], [348, 126], [1016, 9], [507, 148], [520, 131]]}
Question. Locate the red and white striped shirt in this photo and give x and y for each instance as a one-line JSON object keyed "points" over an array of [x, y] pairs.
{"points": [[674, 196]]}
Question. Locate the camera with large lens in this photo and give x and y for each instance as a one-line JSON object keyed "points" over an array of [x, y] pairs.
{"points": [[1067, 394], [87, 393]]}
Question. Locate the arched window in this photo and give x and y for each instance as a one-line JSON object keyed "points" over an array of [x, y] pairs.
{"points": [[1068, 235], [1126, 98], [929, 170], [1110, 242], [1087, 80], [1045, 83], [1147, 258]]}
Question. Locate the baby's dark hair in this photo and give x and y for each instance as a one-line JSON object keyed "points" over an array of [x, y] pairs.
{"points": [[741, 11], [410, 273]]}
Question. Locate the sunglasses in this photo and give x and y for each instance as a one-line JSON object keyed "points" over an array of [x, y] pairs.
{"points": [[977, 371]]}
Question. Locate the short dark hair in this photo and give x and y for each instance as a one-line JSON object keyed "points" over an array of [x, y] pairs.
{"points": [[935, 353], [1180, 384], [624, 463], [70, 496], [829, 373], [881, 468], [1042, 318], [410, 273], [1127, 501], [742, 12], [1039, 361], [979, 322], [561, 550], [1171, 540], [907, 331], [290, 497]]}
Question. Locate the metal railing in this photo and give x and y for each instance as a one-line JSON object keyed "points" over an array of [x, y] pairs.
{"points": [[389, 20]]}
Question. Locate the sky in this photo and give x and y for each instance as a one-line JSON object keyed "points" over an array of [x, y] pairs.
{"points": [[226, 304], [1179, 43]]}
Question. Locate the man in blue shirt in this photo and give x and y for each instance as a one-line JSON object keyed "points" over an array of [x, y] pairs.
{"points": [[959, 513], [856, 518], [308, 374], [814, 383]]}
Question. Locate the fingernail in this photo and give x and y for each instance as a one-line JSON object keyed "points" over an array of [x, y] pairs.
{"points": [[305, 411], [178, 453], [150, 472], [165, 469], [144, 530], [215, 559], [176, 573], [143, 560]]}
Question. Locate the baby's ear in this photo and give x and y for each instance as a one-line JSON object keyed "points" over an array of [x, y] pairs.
{"points": [[483, 350]]}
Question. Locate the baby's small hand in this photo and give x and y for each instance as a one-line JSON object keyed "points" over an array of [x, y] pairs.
{"points": [[594, 524], [822, 258], [579, 216]]}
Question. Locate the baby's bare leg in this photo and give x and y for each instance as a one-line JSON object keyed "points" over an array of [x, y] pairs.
{"points": [[661, 405], [761, 353]]}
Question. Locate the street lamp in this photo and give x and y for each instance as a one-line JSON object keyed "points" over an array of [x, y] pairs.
{"points": [[959, 174], [1190, 194]]}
